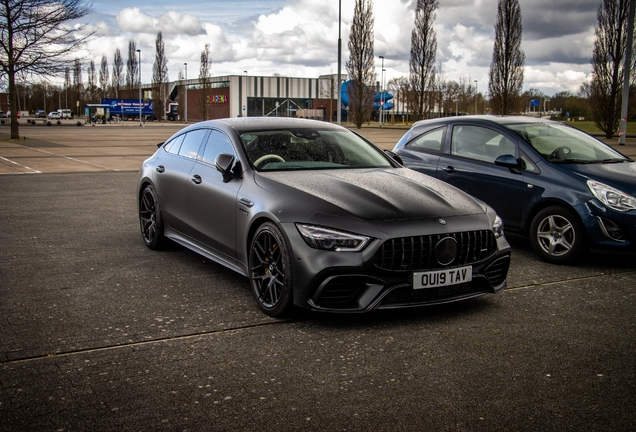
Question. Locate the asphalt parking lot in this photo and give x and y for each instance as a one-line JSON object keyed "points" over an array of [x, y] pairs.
{"points": [[97, 332]]}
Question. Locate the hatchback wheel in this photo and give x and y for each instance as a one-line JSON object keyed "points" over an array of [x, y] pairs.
{"points": [[150, 219], [270, 271], [557, 235]]}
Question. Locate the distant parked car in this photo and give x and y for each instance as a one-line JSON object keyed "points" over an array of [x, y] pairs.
{"points": [[564, 188], [40, 114], [66, 113], [2, 114], [54, 115]]}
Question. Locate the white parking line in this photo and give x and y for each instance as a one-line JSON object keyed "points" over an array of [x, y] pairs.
{"points": [[31, 170]]}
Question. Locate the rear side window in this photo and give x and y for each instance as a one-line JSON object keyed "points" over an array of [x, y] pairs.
{"points": [[174, 145], [431, 140], [192, 143]]}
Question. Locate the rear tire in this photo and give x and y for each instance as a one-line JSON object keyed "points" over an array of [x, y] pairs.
{"points": [[557, 235], [150, 220]]}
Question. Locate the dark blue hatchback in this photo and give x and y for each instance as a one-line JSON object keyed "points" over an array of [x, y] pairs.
{"points": [[565, 189]]}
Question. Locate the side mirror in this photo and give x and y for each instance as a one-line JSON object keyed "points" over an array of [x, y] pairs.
{"points": [[223, 163], [508, 161], [396, 157], [160, 144]]}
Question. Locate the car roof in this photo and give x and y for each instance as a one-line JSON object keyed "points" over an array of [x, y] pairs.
{"points": [[247, 124], [484, 119]]}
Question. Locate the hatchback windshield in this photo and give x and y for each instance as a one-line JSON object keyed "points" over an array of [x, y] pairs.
{"points": [[563, 144], [304, 149]]}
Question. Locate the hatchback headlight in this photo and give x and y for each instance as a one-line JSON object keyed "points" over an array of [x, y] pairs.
{"points": [[611, 197], [331, 240], [498, 227]]}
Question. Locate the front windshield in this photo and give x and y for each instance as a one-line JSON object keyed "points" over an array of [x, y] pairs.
{"points": [[306, 149], [563, 144]]}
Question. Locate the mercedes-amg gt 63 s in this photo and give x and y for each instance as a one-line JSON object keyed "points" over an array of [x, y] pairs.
{"points": [[317, 217]]}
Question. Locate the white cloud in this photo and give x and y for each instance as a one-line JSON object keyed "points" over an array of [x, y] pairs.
{"points": [[171, 22]]}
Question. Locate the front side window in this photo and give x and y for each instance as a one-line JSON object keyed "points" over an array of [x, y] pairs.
{"points": [[217, 143], [480, 143]]}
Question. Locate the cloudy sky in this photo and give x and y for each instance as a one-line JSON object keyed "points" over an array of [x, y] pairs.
{"points": [[299, 37]]}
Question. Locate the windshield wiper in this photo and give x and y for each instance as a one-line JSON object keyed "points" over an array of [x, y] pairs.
{"points": [[572, 161], [615, 160]]}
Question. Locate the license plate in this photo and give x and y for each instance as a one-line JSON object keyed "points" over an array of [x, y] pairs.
{"points": [[438, 278]]}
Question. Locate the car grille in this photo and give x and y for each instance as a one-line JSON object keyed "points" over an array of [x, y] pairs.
{"points": [[417, 253]]}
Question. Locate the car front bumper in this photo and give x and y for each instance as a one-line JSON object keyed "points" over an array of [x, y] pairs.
{"points": [[353, 282]]}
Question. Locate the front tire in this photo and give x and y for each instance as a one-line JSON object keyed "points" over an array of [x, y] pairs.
{"points": [[270, 271], [150, 220], [557, 235]]}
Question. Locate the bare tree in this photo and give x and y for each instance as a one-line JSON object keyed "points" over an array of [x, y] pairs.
{"points": [[204, 82], [92, 81], [36, 41], [118, 73], [361, 67], [608, 56], [78, 87], [160, 79], [506, 69], [132, 66], [400, 87], [103, 76], [422, 63]]}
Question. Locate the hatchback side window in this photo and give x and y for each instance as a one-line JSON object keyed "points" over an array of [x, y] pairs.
{"points": [[192, 142], [431, 140], [480, 143], [217, 143]]}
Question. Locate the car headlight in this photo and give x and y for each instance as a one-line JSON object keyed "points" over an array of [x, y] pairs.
{"points": [[611, 197], [498, 227], [331, 240]]}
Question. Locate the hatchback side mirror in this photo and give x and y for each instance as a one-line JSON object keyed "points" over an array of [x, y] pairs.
{"points": [[223, 163], [508, 161]]}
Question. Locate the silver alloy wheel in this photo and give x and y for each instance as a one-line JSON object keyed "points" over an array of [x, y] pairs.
{"points": [[556, 235]]}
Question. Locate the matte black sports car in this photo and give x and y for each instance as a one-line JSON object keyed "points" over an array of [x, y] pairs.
{"points": [[316, 216]]}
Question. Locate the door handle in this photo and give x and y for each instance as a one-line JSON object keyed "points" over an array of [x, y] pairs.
{"points": [[449, 169], [196, 179], [160, 169]]}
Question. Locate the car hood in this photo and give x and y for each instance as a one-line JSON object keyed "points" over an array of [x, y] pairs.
{"points": [[371, 194], [619, 175]]}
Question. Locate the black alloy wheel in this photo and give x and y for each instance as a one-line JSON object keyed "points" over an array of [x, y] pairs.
{"points": [[270, 271], [557, 235], [150, 219]]}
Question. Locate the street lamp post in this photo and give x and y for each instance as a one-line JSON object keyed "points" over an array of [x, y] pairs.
{"points": [[139, 51], [186, 92], [475, 97], [381, 91]]}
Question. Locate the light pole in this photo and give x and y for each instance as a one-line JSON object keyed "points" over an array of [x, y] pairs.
{"points": [[475, 97], [139, 51], [339, 116], [381, 94], [247, 90], [186, 92]]}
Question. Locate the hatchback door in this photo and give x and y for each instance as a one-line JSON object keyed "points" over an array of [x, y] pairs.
{"points": [[470, 166]]}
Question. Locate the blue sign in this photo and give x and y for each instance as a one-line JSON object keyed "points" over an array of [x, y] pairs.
{"points": [[534, 102]]}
